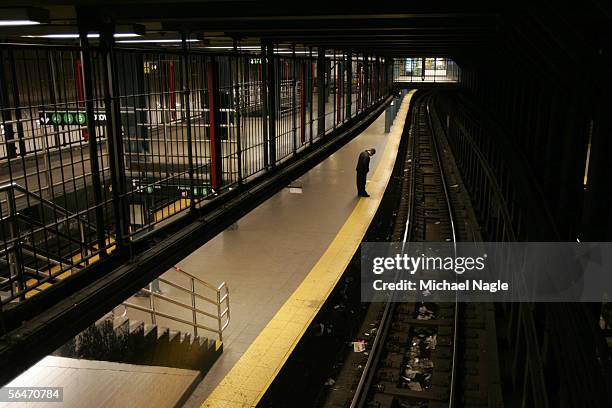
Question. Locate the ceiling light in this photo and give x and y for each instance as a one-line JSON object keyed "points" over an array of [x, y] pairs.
{"points": [[230, 47], [25, 16], [69, 36], [5, 23], [163, 40]]}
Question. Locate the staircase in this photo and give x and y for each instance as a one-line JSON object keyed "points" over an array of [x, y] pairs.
{"points": [[125, 336], [43, 243], [135, 342]]}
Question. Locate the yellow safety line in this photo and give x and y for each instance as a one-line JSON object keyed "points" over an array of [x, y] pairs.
{"points": [[76, 259], [171, 209], [248, 380]]}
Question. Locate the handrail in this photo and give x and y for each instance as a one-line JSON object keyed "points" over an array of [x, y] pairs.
{"points": [[221, 303], [184, 289], [221, 285], [55, 229], [167, 316], [15, 186]]}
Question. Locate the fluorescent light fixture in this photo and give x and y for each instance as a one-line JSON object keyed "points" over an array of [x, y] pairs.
{"points": [[69, 36], [161, 40], [230, 47], [126, 35], [9, 23], [23, 16]]}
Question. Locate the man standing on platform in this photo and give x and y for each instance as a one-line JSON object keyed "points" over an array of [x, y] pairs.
{"points": [[363, 166]]}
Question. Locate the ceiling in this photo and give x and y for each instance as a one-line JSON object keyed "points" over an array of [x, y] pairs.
{"points": [[460, 30]]}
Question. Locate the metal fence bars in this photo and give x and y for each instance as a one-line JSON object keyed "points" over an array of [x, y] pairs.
{"points": [[99, 145]]}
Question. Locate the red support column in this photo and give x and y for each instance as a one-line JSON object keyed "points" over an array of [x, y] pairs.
{"points": [[303, 104], [338, 92]]}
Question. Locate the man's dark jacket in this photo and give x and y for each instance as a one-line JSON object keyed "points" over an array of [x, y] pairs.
{"points": [[363, 163]]}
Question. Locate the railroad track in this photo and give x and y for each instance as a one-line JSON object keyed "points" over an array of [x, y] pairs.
{"points": [[428, 354]]}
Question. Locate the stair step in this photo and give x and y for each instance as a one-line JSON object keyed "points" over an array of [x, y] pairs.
{"points": [[137, 327]]}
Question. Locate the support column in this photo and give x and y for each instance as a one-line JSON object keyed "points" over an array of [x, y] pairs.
{"points": [[321, 91], [186, 75], [294, 99], [334, 74], [303, 74], [264, 104], [92, 140], [349, 84], [389, 112], [5, 111], [423, 69], [366, 81], [272, 102], [114, 139], [237, 116], [216, 164], [310, 76]]}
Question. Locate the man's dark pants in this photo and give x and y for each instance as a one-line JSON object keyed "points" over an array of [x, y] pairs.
{"points": [[361, 182]]}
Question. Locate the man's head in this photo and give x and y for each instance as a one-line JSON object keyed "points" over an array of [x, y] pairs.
{"points": [[371, 152]]}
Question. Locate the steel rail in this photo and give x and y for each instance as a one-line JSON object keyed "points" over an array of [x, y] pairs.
{"points": [[452, 393], [361, 392]]}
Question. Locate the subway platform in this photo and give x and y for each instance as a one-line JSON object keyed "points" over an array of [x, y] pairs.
{"points": [[278, 284]]}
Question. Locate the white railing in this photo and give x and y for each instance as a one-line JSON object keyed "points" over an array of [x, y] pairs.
{"points": [[218, 299]]}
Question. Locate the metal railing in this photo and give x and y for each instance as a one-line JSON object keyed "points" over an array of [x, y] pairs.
{"points": [[16, 246], [220, 302]]}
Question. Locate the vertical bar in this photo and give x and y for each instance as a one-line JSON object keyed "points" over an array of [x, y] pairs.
{"points": [[237, 115], [294, 100], [227, 302], [303, 103], [219, 315], [213, 116], [5, 103], [423, 69], [334, 74], [264, 103], [366, 81], [17, 104], [193, 304], [321, 91], [92, 140], [272, 102], [152, 305], [186, 74], [349, 84], [172, 100], [15, 259], [310, 92], [359, 84], [114, 139]]}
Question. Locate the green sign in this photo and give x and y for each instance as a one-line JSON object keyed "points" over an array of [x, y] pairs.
{"points": [[68, 118], [56, 118]]}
